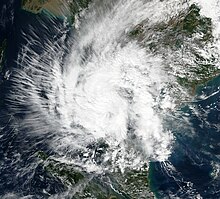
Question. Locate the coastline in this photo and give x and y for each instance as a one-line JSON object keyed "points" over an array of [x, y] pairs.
{"points": [[55, 8]]}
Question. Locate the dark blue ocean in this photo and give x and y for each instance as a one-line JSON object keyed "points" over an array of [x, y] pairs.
{"points": [[192, 168], [14, 23]]}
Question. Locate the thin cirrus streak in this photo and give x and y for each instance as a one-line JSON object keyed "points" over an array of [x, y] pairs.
{"points": [[106, 89]]}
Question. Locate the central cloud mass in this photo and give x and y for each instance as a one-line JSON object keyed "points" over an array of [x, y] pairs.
{"points": [[110, 89]]}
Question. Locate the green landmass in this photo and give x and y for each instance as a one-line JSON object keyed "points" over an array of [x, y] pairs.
{"points": [[183, 36], [64, 172], [183, 27], [134, 182], [192, 23], [131, 184], [76, 6], [203, 69], [186, 25]]}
